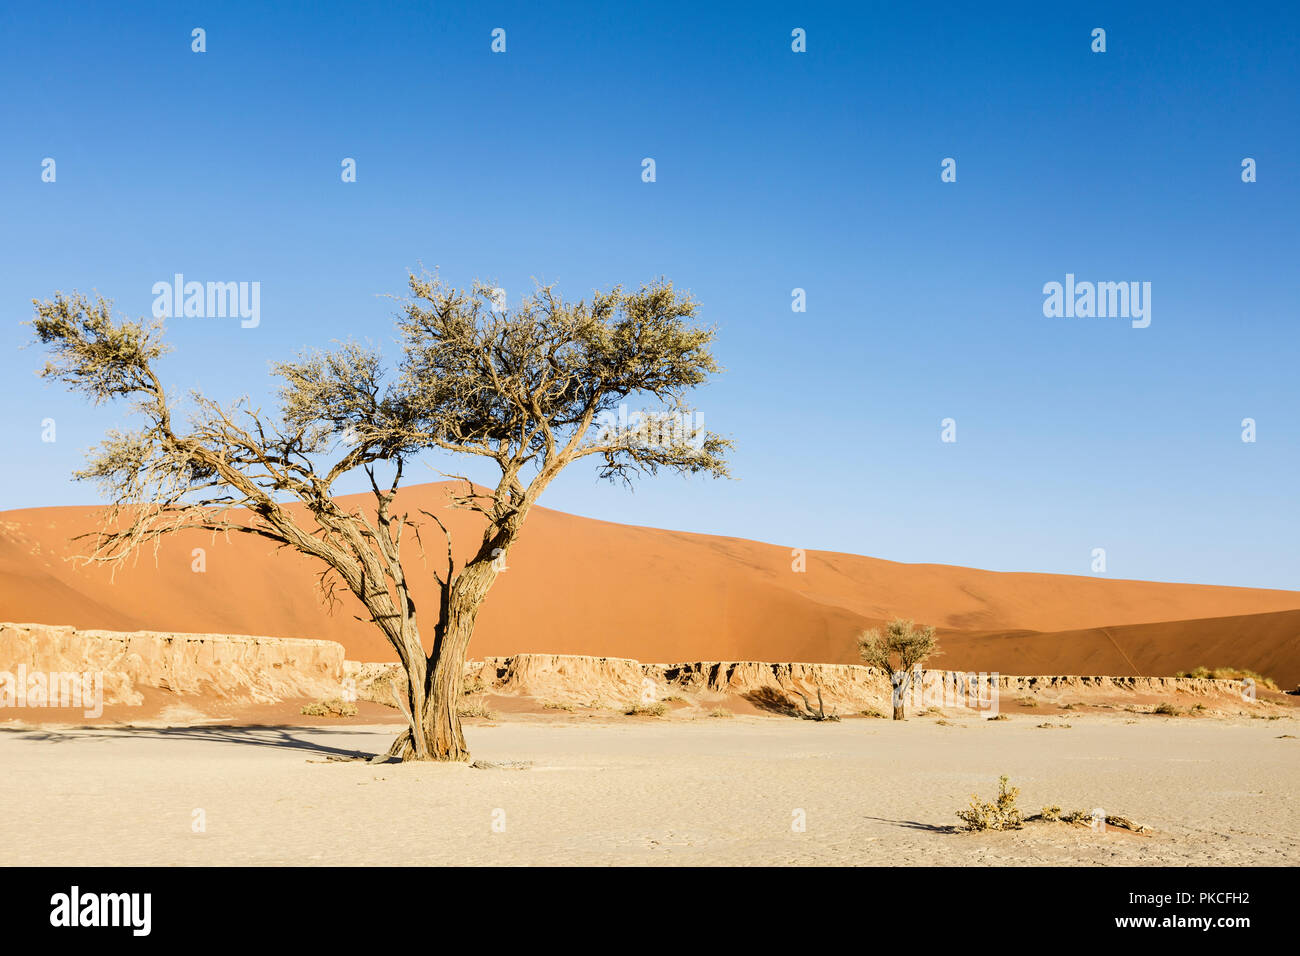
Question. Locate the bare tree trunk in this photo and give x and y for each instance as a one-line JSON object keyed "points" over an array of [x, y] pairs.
{"points": [[408, 745], [441, 728], [898, 679], [440, 679]]}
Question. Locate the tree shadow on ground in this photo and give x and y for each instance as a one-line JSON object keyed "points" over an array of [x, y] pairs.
{"points": [[917, 825], [772, 701], [280, 737]]}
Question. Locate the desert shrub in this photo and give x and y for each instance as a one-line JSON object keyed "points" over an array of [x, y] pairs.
{"points": [[474, 708], [1229, 673], [555, 705], [1000, 815], [871, 712], [1051, 814], [1027, 702], [657, 709], [333, 707], [720, 712], [1167, 709], [1000, 717], [673, 698]]}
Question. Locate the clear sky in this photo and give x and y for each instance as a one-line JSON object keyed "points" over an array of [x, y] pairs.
{"points": [[775, 170]]}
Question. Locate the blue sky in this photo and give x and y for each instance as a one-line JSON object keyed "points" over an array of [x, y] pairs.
{"points": [[775, 170]]}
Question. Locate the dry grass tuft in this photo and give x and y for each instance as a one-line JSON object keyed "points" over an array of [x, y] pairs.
{"points": [[475, 708], [657, 709], [332, 707]]}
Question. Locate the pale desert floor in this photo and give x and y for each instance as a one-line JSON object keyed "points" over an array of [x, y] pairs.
{"points": [[641, 791]]}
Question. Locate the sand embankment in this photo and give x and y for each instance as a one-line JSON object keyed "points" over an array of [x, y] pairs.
{"points": [[229, 667], [583, 587], [257, 680]]}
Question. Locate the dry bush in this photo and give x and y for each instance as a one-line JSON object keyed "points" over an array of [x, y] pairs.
{"points": [[475, 708], [1000, 815], [1085, 818], [1004, 815], [332, 707], [720, 712], [657, 709]]}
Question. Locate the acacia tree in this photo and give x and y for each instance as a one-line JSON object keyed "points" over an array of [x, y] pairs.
{"points": [[531, 390], [897, 651]]}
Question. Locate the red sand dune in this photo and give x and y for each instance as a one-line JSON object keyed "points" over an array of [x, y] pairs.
{"points": [[579, 586]]}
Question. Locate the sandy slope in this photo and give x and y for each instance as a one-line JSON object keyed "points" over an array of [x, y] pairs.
{"points": [[708, 792], [580, 586]]}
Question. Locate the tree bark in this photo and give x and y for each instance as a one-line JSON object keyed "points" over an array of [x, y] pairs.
{"points": [[434, 709], [898, 679]]}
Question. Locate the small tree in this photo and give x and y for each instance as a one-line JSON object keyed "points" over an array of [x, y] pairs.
{"points": [[899, 649], [530, 390]]}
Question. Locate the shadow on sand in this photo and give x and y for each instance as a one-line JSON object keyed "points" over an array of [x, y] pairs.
{"points": [[284, 737], [917, 825]]}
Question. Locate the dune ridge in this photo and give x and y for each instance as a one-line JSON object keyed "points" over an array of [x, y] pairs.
{"points": [[586, 587]]}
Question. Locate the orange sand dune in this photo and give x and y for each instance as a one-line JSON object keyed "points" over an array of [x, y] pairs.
{"points": [[580, 586]]}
